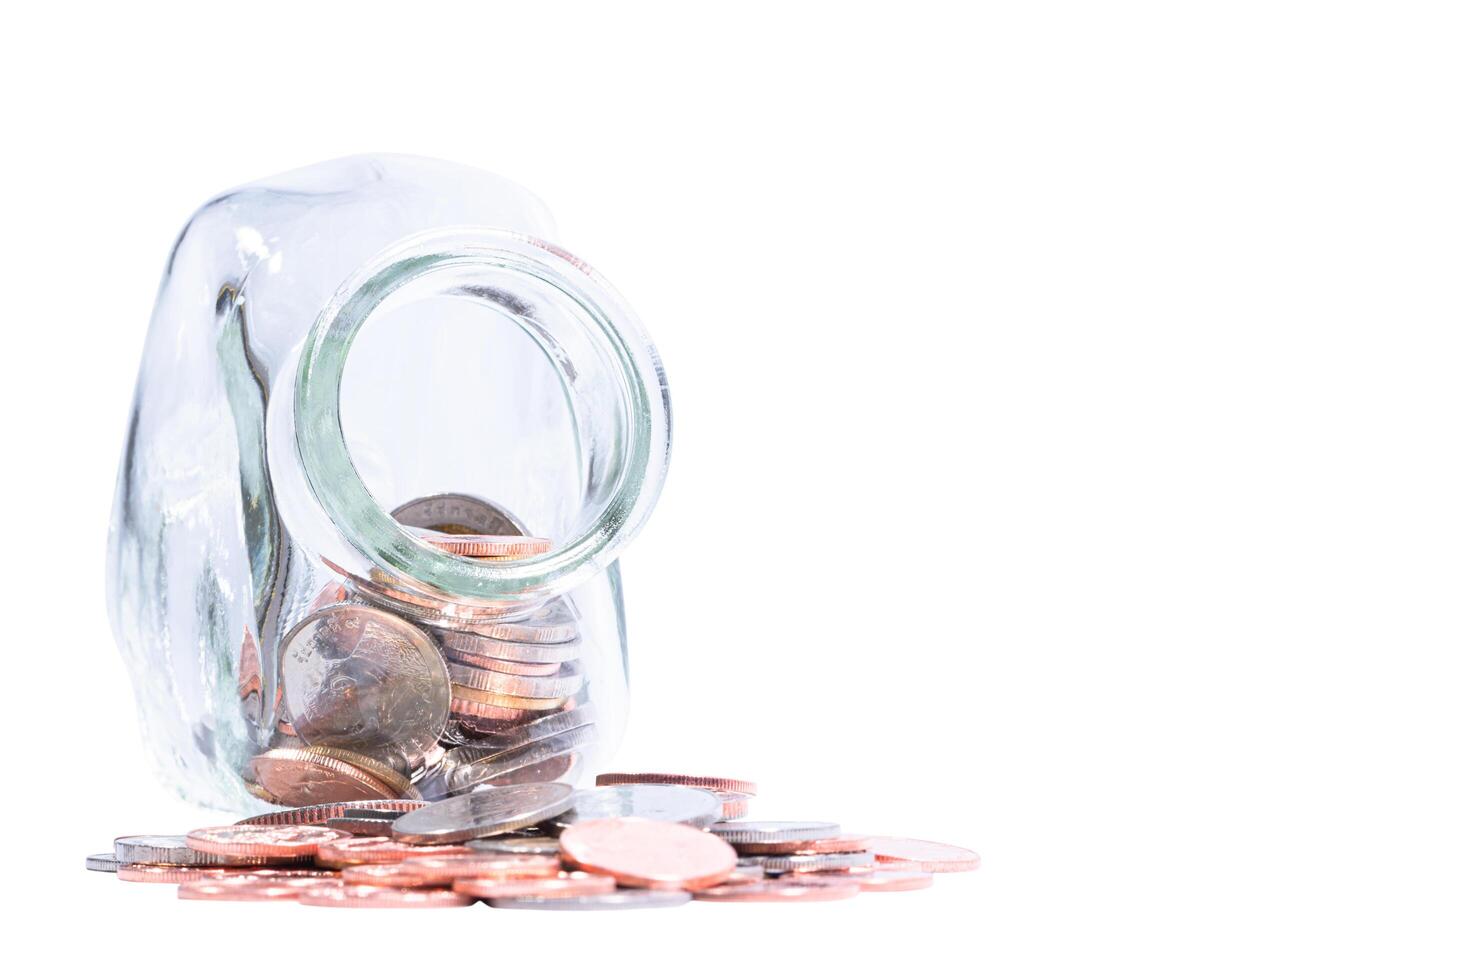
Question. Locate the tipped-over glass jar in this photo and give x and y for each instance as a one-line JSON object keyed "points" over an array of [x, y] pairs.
{"points": [[386, 446]]}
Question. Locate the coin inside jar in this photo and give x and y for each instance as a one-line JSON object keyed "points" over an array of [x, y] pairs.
{"points": [[365, 680], [458, 513]]}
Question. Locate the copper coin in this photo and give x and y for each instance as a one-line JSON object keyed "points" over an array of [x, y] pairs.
{"points": [[393, 778], [735, 807], [238, 840], [462, 693], [374, 897], [165, 874], [778, 890], [923, 855], [475, 714], [476, 711], [894, 881], [427, 608], [381, 850], [322, 812], [715, 784], [485, 545], [648, 853], [301, 777], [421, 872], [826, 845], [566, 884], [281, 874], [241, 889]]}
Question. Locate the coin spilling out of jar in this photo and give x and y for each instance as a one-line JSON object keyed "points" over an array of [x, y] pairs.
{"points": [[537, 845], [386, 691]]}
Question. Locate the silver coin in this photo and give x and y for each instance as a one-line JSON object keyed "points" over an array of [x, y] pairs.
{"points": [[102, 862], [531, 731], [491, 811], [653, 801], [363, 679], [516, 845], [553, 623], [834, 861], [458, 513], [169, 849], [773, 831], [565, 682], [488, 769], [474, 649], [623, 898]]}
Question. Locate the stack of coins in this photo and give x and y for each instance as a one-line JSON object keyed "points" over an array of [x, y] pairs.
{"points": [[388, 693], [651, 843]]}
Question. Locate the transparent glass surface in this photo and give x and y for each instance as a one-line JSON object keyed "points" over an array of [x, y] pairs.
{"points": [[352, 371]]}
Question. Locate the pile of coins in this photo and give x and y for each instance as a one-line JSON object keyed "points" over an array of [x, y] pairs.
{"points": [[386, 693], [639, 840]]}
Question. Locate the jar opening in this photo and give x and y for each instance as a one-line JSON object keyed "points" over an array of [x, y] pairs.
{"points": [[488, 363]]}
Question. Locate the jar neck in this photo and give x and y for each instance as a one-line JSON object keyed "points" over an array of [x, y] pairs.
{"points": [[612, 375]]}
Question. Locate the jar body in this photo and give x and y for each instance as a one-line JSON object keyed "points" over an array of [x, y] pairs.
{"points": [[339, 356]]}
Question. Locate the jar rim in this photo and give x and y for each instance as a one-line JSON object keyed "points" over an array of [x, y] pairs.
{"points": [[368, 528]]}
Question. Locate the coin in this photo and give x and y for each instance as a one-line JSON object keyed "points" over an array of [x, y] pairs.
{"points": [[735, 807], [301, 777], [363, 679], [522, 667], [477, 712], [825, 845], [247, 889], [490, 811], [421, 872], [622, 898], [516, 845], [486, 545], [563, 885], [676, 804], [487, 769], [381, 850], [102, 862], [648, 853], [518, 735], [462, 693], [777, 863], [427, 608], [375, 897], [363, 826], [174, 849], [395, 779], [489, 651], [458, 513], [777, 890], [715, 784], [164, 874], [567, 680], [923, 855], [322, 812], [764, 831], [552, 624], [237, 840], [894, 881]]}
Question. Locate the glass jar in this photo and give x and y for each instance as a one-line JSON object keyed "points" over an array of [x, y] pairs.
{"points": [[350, 369]]}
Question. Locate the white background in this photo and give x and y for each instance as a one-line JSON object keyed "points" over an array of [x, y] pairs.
{"points": [[1070, 455]]}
